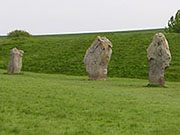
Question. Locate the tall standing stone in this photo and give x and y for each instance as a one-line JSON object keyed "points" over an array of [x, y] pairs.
{"points": [[159, 57], [15, 61], [97, 58]]}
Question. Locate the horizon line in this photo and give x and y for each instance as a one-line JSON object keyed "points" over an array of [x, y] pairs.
{"points": [[90, 32]]}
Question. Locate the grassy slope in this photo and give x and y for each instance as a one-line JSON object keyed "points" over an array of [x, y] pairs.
{"points": [[64, 53], [43, 104]]}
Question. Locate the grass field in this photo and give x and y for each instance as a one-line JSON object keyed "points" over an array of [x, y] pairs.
{"points": [[51, 104], [64, 53]]}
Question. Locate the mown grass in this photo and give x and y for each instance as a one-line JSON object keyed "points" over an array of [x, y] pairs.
{"points": [[51, 104], [64, 53]]}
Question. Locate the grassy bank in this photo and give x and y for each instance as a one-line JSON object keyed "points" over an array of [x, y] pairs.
{"points": [[64, 53]]}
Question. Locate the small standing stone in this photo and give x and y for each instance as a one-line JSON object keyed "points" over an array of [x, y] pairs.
{"points": [[15, 61], [97, 58], [159, 57]]}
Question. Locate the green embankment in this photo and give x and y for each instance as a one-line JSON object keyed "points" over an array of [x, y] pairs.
{"points": [[51, 104], [64, 53]]}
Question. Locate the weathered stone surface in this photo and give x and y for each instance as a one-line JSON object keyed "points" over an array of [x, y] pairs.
{"points": [[97, 58], [159, 57], [15, 61]]}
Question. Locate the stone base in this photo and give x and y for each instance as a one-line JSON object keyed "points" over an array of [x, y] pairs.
{"points": [[156, 73], [20, 73], [14, 74], [100, 78]]}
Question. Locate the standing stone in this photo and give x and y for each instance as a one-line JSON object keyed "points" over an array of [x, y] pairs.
{"points": [[97, 58], [159, 57], [15, 61]]}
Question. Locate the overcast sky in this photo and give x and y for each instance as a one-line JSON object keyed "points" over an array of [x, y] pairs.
{"points": [[68, 16]]}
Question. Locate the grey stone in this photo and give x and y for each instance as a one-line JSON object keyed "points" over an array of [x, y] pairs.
{"points": [[97, 58], [15, 61], [159, 57]]}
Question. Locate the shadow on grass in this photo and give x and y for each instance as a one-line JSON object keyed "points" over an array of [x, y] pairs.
{"points": [[141, 86], [74, 79], [5, 73], [132, 85], [155, 86]]}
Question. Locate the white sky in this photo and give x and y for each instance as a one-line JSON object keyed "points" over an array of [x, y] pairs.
{"points": [[68, 16]]}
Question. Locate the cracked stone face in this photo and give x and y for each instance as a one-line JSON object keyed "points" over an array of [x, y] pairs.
{"points": [[15, 61], [159, 58], [97, 58]]}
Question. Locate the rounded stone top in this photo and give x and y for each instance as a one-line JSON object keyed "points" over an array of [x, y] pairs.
{"points": [[104, 41], [17, 52], [159, 37]]}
